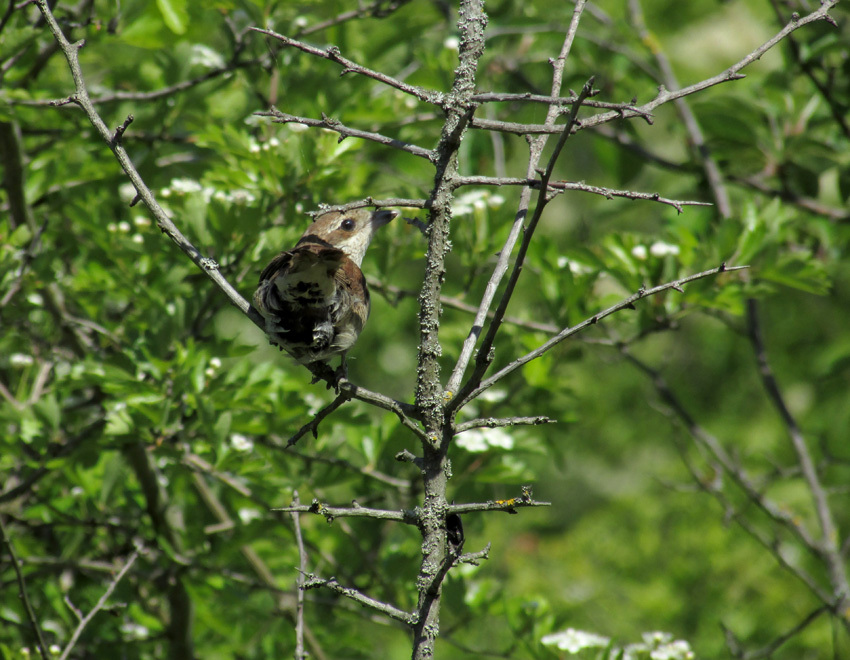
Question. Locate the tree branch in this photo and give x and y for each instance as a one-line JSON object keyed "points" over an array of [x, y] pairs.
{"points": [[332, 53], [626, 303], [314, 582], [561, 186], [496, 422], [99, 605], [828, 547], [300, 653], [81, 98], [344, 131], [331, 512], [535, 152], [22, 591]]}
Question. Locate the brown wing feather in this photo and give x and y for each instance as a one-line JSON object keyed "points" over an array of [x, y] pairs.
{"points": [[302, 258]]}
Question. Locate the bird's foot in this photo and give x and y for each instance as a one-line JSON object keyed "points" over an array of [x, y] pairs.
{"points": [[341, 372], [322, 371]]}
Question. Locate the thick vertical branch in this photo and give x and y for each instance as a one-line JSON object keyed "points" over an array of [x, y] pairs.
{"points": [[429, 394], [459, 110]]}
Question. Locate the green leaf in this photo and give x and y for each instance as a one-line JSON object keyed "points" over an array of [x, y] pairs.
{"points": [[175, 14]]}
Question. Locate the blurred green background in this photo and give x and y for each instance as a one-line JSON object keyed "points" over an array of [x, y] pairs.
{"points": [[137, 405]]}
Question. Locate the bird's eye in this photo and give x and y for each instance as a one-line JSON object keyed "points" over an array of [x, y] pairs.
{"points": [[347, 224]]}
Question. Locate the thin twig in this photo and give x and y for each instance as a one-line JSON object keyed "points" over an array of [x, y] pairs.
{"points": [[535, 152], [405, 412], [828, 546], [378, 9], [371, 201], [300, 653], [313, 425], [99, 605], [331, 512], [768, 650], [712, 170], [626, 303], [164, 92], [345, 131], [22, 591], [508, 506], [500, 422], [81, 98], [314, 582], [332, 53], [608, 193], [784, 518]]}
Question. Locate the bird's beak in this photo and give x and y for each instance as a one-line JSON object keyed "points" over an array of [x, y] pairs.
{"points": [[383, 217]]}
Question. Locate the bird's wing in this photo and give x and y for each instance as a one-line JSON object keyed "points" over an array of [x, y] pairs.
{"points": [[300, 259], [351, 285]]}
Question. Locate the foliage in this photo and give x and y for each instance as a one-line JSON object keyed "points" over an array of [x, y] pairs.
{"points": [[139, 410]]}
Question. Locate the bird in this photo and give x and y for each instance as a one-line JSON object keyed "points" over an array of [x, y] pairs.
{"points": [[314, 297]]}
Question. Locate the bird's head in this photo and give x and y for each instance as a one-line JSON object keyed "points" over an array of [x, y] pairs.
{"points": [[350, 231]]}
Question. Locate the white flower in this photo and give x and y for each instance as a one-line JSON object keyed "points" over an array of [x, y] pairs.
{"points": [[247, 515], [573, 641], [215, 363], [662, 249], [241, 442], [478, 440], [242, 197], [138, 238], [134, 630], [20, 360], [639, 252], [452, 43], [142, 221], [124, 226], [185, 186], [300, 22]]}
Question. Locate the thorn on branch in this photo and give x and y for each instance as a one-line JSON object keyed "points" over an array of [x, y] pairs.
{"points": [[136, 200], [419, 224], [474, 557], [406, 456], [119, 132]]}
